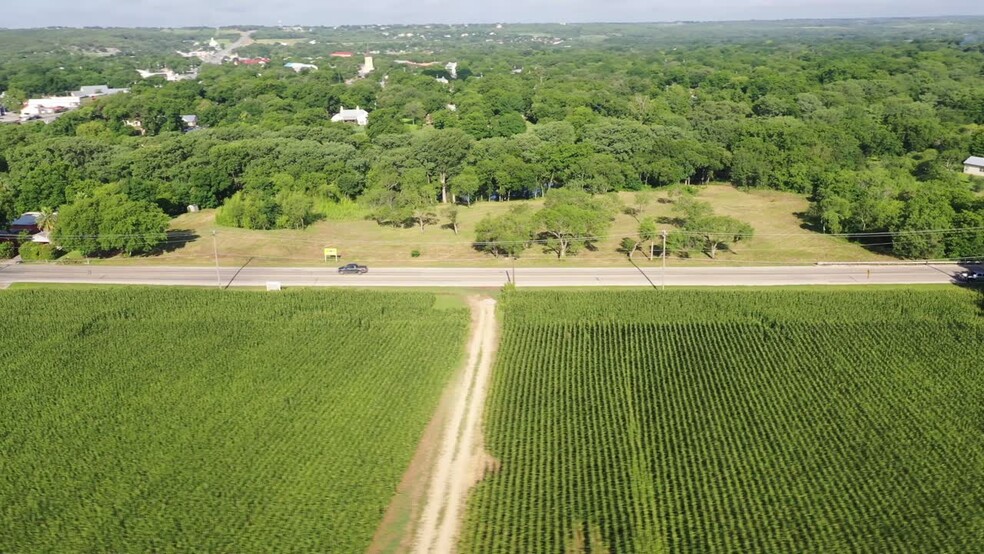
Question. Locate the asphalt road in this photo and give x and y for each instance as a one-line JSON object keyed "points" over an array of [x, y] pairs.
{"points": [[484, 277]]}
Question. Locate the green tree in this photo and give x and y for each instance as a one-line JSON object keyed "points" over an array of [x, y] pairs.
{"points": [[296, 210], [417, 198], [718, 232], [505, 235], [967, 243], [441, 152], [571, 219], [78, 226], [508, 124], [36, 251], [108, 222], [14, 98], [915, 123], [452, 214], [919, 234], [465, 184], [629, 245], [385, 122], [475, 124], [130, 226], [649, 232], [754, 163], [707, 231], [640, 201], [47, 219], [402, 199], [7, 250], [7, 211]]}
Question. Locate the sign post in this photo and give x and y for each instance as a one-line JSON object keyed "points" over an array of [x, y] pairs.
{"points": [[333, 252]]}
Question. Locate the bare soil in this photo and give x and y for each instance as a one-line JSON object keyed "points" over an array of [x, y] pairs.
{"points": [[462, 460]]}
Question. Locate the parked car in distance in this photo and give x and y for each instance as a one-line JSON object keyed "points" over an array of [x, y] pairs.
{"points": [[970, 277], [353, 268]]}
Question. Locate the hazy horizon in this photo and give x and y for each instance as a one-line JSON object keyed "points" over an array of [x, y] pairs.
{"points": [[233, 13]]}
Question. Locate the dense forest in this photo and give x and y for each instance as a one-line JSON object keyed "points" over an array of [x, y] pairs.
{"points": [[872, 122]]}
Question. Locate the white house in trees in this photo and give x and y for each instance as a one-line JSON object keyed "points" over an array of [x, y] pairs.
{"points": [[299, 67], [974, 165], [357, 116]]}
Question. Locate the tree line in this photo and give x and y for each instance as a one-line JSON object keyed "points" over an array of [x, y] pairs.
{"points": [[873, 132]]}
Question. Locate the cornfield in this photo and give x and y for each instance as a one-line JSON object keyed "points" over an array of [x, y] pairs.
{"points": [[735, 421], [206, 421]]}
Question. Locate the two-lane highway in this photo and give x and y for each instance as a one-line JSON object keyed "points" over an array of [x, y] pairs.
{"points": [[483, 277]]}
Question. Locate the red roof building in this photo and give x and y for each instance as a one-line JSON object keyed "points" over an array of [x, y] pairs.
{"points": [[342, 54]]}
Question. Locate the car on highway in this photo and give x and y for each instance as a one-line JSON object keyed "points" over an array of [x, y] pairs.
{"points": [[353, 268], [970, 277]]}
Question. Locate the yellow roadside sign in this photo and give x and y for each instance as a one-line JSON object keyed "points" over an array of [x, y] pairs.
{"points": [[333, 252]]}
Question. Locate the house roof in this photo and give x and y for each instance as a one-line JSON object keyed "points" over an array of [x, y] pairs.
{"points": [[27, 219], [358, 115], [97, 90], [296, 66], [352, 113], [974, 160]]}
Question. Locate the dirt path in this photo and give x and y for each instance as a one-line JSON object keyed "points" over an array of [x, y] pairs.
{"points": [[462, 459]]}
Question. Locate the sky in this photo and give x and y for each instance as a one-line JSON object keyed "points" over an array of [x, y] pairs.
{"points": [[182, 13]]}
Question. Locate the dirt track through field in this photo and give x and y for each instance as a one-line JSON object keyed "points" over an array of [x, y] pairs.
{"points": [[462, 459]]}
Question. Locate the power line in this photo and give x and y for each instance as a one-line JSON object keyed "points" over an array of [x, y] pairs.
{"points": [[185, 237], [206, 258]]}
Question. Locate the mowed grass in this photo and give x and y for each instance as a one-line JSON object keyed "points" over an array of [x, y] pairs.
{"points": [[167, 420], [841, 420], [287, 41], [781, 238]]}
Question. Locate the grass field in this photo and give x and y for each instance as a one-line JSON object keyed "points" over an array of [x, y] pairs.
{"points": [[779, 238], [170, 420], [286, 41], [735, 421]]}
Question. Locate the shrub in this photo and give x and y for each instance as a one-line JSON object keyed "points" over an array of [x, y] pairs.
{"points": [[37, 252], [7, 250]]}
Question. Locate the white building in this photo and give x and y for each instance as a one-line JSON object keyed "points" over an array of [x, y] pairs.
{"points": [[358, 116], [95, 91], [203, 55], [299, 67], [452, 69], [55, 104], [367, 67], [974, 165], [135, 124], [169, 74]]}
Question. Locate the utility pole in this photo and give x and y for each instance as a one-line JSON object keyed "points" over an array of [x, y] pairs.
{"points": [[663, 255], [215, 251], [514, 271]]}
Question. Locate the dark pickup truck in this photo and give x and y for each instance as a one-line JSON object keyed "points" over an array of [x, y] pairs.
{"points": [[353, 268]]}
